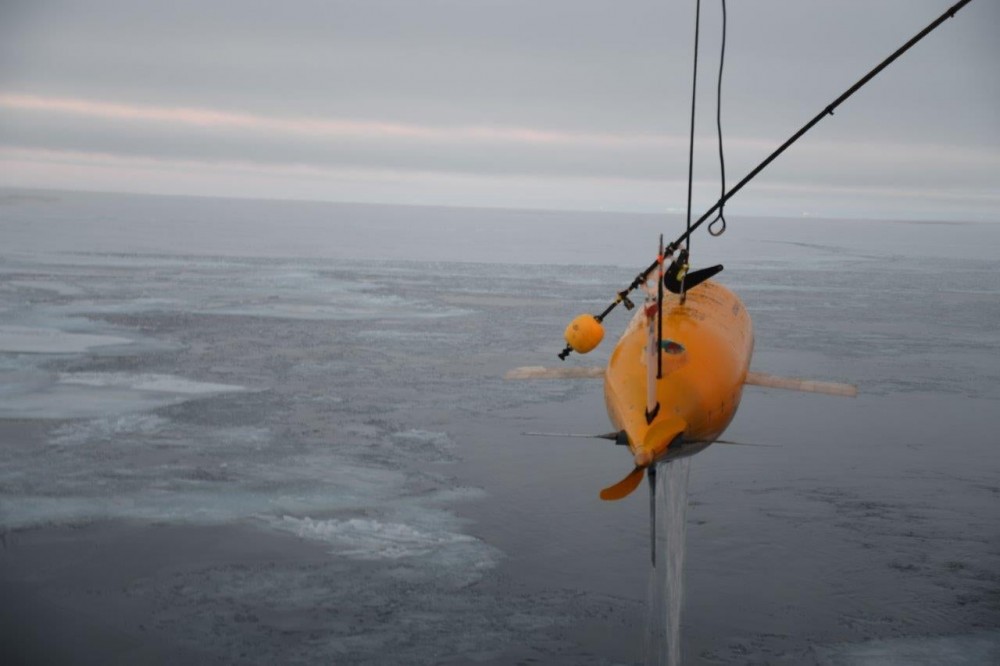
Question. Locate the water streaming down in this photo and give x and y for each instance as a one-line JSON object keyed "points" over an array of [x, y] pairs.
{"points": [[668, 506]]}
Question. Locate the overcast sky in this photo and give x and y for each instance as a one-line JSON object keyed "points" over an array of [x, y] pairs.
{"points": [[564, 104]]}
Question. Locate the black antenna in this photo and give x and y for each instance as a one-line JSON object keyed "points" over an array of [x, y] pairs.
{"points": [[659, 313]]}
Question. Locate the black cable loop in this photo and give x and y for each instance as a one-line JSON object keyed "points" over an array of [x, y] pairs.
{"points": [[711, 225], [720, 218]]}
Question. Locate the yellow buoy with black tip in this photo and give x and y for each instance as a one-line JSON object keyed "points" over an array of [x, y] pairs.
{"points": [[584, 333]]}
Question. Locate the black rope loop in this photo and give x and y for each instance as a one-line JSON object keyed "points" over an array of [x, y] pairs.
{"points": [[712, 226]]}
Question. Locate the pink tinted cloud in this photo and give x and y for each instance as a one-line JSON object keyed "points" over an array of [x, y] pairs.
{"points": [[201, 117]]}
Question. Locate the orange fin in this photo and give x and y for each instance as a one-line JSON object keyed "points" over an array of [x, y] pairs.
{"points": [[624, 487], [663, 432], [656, 440]]}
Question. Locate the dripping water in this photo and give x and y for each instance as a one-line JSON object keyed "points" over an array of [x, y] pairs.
{"points": [[668, 508]]}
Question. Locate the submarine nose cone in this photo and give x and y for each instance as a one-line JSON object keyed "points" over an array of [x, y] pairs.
{"points": [[584, 333]]}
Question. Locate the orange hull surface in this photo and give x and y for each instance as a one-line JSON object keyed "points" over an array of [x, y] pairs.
{"points": [[708, 343]]}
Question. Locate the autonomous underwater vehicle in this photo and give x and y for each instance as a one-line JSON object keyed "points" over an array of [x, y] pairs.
{"points": [[674, 380]]}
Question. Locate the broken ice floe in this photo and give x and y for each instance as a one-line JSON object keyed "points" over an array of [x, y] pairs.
{"points": [[968, 650], [146, 382], [31, 340], [90, 394], [55, 286], [425, 444], [371, 539], [108, 428]]}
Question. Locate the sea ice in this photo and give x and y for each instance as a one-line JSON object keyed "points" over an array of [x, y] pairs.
{"points": [[146, 382], [968, 650], [29, 340], [367, 539], [93, 394], [59, 288], [108, 428]]}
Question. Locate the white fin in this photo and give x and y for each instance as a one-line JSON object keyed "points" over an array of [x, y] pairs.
{"points": [[808, 385], [541, 372]]}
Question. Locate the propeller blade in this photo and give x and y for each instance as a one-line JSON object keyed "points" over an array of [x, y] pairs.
{"points": [[732, 443], [624, 487]]}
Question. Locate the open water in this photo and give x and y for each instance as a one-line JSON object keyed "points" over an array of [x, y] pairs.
{"points": [[276, 432]]}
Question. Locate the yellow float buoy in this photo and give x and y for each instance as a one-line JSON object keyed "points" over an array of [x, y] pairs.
{"points": [[584, 333]]}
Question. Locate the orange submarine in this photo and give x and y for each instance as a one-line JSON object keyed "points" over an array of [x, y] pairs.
{"points": [[675, 378]]}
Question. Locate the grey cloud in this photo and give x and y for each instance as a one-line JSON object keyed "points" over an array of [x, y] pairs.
{"points": [[582, 63], [815, 162], [586, 65], [207, 144]]}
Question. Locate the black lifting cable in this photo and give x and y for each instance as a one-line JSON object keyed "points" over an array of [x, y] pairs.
{"points": [[670, 249], [694, 96]]}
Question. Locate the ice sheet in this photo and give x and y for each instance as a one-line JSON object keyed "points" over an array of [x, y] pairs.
{"points": [[90, 394], [55, 286], [369, 539], [357, 403], [30, 340], [974, 649], [146, 382], [108, 428]]}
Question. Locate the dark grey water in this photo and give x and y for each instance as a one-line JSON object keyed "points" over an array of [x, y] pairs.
{"points": [[276, 432]]}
